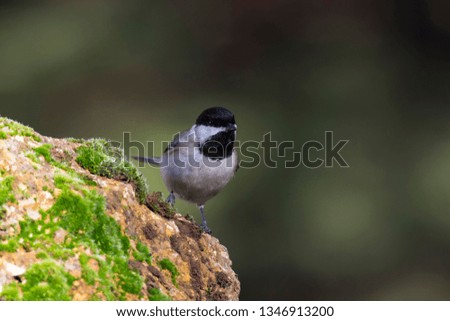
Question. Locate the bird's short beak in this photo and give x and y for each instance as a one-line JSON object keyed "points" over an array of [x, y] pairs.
{"points": [[232, 127]]}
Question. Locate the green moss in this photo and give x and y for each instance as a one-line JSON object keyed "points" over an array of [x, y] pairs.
{"points": [[6, 193], [156, 295], [142, 253], [95, 157], [104, 279], [129, 280], [88, 181], [107, 281], [114, 277], [33, 157], [17, 129], [88, 274], [157, 204], [101, 158], [45, 151], [189, 217], [33, 236], [10, 246], [3, 135], [72, 176], [47, 281], [84, 217], [11, 292], [70, 181], [6, 190], [166, 264], [75, 140], [25, 194], [61, 181], [82, 214], [43, 255]]}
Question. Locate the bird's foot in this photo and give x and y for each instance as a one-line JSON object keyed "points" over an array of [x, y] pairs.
{"points": [[206, 229], [171, 199], [204, 226]]}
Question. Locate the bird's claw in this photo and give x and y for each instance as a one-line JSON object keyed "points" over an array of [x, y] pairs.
{"points": [[206, 229], [171, 199]]}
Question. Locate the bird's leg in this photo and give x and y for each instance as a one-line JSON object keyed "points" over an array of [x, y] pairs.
{"points": [[204, 226], [171, 199]]}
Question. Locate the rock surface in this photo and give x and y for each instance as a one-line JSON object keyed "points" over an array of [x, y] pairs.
{"points": [[68, 234]]}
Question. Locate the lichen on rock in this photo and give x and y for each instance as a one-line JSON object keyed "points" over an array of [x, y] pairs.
{"points": [[77, 223]]}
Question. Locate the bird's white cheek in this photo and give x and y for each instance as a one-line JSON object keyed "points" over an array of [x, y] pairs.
{"points": [[202, 132]]}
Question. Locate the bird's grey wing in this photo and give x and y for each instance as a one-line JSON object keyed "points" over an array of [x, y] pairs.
{"points": [[181, 139], [174, 143], [151, 160]]}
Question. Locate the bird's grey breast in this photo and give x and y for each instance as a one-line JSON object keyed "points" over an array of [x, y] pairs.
{"points": [[196, 178]]}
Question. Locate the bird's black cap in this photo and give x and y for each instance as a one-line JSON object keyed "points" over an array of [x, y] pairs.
{"points": [[216, 117]]}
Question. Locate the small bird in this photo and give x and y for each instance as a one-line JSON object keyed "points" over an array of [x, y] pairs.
{"points": [[200, 162]]}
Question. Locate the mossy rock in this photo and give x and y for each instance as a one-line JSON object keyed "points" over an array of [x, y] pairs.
{"points": [[77, 222]]}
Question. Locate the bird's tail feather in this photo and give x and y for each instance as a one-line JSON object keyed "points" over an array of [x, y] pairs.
{"points": [[151, 160]]}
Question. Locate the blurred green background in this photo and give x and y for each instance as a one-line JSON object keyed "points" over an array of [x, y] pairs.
{"points": [[374, 72]]}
